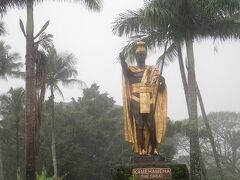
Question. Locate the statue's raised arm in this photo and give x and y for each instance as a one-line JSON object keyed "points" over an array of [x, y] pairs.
{"points": [[123, 63]]}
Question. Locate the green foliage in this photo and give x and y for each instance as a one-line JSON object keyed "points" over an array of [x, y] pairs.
{"points": [[89, 138], [122, 173], [225, 129], [12, 132], [19, 175], [168, 148], [87, 133], [43, 175], [226, 132], [203, 19], [9, 65], [93, 5], [90, 143], [227, 176], [61, 68]]}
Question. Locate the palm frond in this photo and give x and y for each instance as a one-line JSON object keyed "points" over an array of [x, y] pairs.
{"points": [[71, 82], [9, 65], [41, 30], [204, 19], [168, 55], [223, 29], [45, 41], [157, 11], [2, 28], [56, 88], [94, 5], [7, 4], [12, 101], [129, 23], [65, 66], [128, 51], [153, 40], [61, 69]]}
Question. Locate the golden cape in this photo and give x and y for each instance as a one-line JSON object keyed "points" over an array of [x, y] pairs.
{"points": [[160, 112]]}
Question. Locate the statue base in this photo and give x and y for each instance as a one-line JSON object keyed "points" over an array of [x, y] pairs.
{"points": [[150, 167], [137, 159]]}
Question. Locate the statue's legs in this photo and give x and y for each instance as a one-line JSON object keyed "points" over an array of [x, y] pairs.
{"points": [[139, 121], [152, 131]]}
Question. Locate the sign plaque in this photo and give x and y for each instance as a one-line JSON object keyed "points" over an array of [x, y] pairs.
{"points": [[152, 173]]}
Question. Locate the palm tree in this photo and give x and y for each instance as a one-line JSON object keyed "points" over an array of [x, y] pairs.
{"points": [[9, 67], [206, 122], [12, 105], [188, 19], [30, 74], [60, 69]]}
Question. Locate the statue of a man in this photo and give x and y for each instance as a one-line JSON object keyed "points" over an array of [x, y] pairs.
{"points": [[144, 103]]}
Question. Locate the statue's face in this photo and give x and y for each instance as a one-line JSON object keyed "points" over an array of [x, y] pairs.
{"points": [[140, 57]]}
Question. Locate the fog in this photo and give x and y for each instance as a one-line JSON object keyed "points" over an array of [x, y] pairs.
{"points": [[89, 36]]}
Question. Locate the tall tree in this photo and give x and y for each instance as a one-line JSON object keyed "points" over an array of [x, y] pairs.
{"points": [[188, 20], [9, 67], [60, 69], [225, 131], [11, 107], [30, 75]]}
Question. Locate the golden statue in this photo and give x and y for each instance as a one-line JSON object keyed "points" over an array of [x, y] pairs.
{"points": [[144, 104]]}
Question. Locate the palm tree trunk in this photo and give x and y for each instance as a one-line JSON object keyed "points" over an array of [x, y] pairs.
{"points": [[185, 86], [206, 122], [193, 122], [30, 97], [182, 71], [203, 167], [53, 146], [215, 154]]}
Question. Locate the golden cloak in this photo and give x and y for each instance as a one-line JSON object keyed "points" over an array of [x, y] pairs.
{"points": [[150, 76]]}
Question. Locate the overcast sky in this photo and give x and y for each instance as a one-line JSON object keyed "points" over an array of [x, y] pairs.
{"points": [[89, 36]]}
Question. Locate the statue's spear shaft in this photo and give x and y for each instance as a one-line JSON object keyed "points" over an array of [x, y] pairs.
{"points": [[158, 64], [164, 52]]}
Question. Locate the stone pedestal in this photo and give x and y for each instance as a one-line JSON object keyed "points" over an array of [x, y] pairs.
{"points": [[150, 167]]}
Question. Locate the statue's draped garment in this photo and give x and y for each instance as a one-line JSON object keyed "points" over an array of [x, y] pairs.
{"points": [[149, 85]]}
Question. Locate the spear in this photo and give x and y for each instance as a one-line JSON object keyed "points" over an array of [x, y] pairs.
{"points": [[158, 64]]}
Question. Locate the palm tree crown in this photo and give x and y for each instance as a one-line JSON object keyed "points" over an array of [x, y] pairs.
{"points": [[216, 19], [61, 69], [94, 5], [13, 102], [8, 62]]}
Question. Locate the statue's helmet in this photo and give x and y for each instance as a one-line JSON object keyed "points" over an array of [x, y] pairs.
{"points": [[141, 48]]}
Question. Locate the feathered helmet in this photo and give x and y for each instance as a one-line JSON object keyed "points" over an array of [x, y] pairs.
{"points": [[141, 48]]}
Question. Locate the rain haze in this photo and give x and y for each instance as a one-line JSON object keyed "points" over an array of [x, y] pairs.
{"points": [[89, 36]]}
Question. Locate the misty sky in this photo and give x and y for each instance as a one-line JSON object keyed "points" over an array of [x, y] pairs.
{"points": [[89, 36]]}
